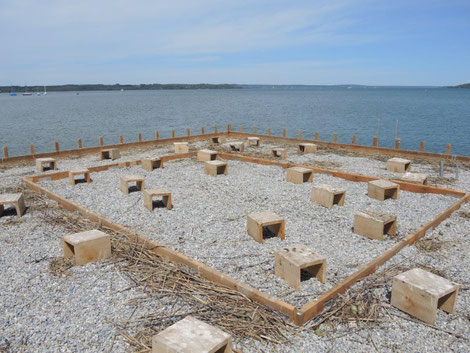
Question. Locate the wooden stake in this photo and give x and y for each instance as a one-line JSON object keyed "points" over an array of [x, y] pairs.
{"points": [[188, 132], [283, 132], [299, 135], [354, 140], [202, 131], [421, 146], [229, 127], [139, 137], [242, 128], [316, 136], [121, 139], [79, 141], [5, 152], [31, 148], [375, 141], [448, 148], [269, 131], [101, 141], [172, 134], [335, 138], [397, 144], [215, 129], [157, 135], [255, 130], [56, 146]]}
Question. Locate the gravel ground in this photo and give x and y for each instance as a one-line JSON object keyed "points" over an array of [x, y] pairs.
{"points": [[44, 313]]}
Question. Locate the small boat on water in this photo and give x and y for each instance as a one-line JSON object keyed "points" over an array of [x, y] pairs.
{"points": [[12, 94], [27, 94]]}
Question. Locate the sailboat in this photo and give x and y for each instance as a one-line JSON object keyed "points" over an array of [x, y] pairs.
{"points": [[45, 93], [26, 93]]}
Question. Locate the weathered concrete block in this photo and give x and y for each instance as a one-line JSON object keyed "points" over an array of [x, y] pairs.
{"points": [[237, 146], [279, 153], [293, 261], [181, 147], [299, 175], [151, 193], [85, 247], [16, 200], [374, 225], [206, 155], [398, 165], [111, 153], [217, 140], [74, 172], [253, 141], [420, 293], [192, 336], [383, 189], [215, 167], [415, 178], [306, 148], [327, 195], [49, 163], [259, 223], [125, 180], [152, 163]]}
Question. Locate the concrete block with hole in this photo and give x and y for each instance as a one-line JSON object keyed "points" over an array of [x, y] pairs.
{"points": [[306, 148], [150, 164], [374, 224], [237, 146], [383, 189], [191, 335], [150, 194], [206, 155], [415, 178], [294, 263], [110, 153], [215, 167], [49, 163], [80, 171], [85, 247], [217, 140], [264, 223], [299, 175], [279, 153], [420, 293], [398, 165], [137, 179], [181, 147], [328, 196], [253, 141], [17, 200]]}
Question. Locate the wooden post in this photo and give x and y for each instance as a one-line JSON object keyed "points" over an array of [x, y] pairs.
{"points": [[283, 132], [299, 135], [172, 134], [375, 141], [421, 146], [242, 128], [354, 140], [255, 130], [269, 131], [101, 141], [316, 136], [188, 131], [79, 141], [229, 127], [157, 135], [121, 139], [202, 130], [215, 129], [56, 146], [397, 144], [5, 152], [335, 138], [139, 137], [31, 148], [448, 148]]}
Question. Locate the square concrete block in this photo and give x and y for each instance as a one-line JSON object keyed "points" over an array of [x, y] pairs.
{"points": [[151, 193], [206, 155], [192, 336], [125, 180], [415, 178], [181, 147], [420, 293], [374, 225], [260, 222], [383, 189], [215, 167], [85, 247], [237, 146], [299, 175], [398, 165], [253, 141], [74, 172], [294, 261], [42, 163], [279, 153], [16, 200], [152, 163], [306, 148], [217, 140], [327, 195], [111, 153]]}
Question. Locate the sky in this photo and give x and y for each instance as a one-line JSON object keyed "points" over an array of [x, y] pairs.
{"points": [[371, 42]]}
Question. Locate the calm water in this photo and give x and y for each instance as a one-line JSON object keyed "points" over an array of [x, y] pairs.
{"points": [[436, 115]]}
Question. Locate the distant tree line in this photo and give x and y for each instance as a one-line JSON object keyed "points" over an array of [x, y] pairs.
{"points": [[115, 87], [465, 85]]}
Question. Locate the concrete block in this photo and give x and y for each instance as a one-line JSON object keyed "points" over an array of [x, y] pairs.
{"points": [[260, 223], [279, 153], [294, 262], [125, 180], [299, 175], [398, 165], [327, 195], [74, 172], [111, 153], [152, 163], [49, 163], [306, 148], [374, 225], [85, 247], [206, 155], [415, 178], [181, 147], [217, 140], [215, 167], [253, 141], [237, 146], [383, 189], [420, 293], [16, 200], [192, 336], [151, 193]]}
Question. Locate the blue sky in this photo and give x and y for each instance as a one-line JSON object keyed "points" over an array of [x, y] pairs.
{"points": [[265, 42]]}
